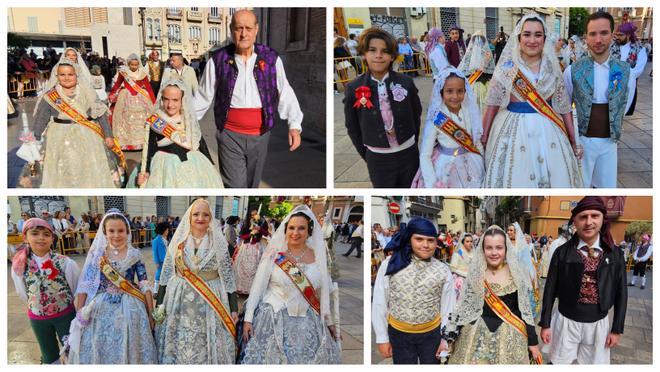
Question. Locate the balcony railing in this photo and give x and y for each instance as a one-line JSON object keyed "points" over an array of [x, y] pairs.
{"points": [[214, 18], [194, 15], [174, 13]]}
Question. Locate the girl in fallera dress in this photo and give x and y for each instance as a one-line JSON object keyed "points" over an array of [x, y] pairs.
{"points": [[383, 113], [493, 321], [196, 294], [46, 281], [247, 255], [529, 143], [478, 66], [114, 300], [287, 317], [176, 155], [79, 149], [132, 101], [450, 154]]}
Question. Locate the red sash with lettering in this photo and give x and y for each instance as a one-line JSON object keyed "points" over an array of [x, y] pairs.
{"points": [[160, 126], [134, 88], [119, 281], [503, 312], [55, 100], [299, 279], [475, 75], [203, 290], [444, 124], [525, 88]]}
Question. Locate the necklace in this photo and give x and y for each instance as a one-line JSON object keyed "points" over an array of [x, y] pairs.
{"points": [[113, 250], [197, 242], [298, 258]]}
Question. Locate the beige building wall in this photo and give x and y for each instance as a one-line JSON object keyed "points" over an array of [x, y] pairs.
{"points": [[356, 14], [49, 20], [453, 206], [472, 19], [418, 26], [122, 40]]}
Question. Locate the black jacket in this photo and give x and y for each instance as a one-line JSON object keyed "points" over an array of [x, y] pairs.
{"points": [[565, 278], [365, 126]]}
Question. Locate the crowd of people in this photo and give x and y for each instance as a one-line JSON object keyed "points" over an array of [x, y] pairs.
{"points": [[251, 291], [477, 298], [500, 114], [142, 104]]}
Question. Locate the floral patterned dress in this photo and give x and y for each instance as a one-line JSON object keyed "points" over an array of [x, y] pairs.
{"points": [[119, 331]]}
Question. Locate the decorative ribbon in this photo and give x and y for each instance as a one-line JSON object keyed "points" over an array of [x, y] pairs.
{"points": [[57, 102], [119, 281], [444, 124], [475, 76], [132, 86], [525, 88], [203, 290], [362, 97], [299, 279], [160, 126]]}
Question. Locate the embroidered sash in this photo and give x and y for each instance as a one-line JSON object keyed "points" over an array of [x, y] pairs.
{"points": [[160, 126], [503, 312], [132, 86], [54, 99], [299, 279], [444, 124], [119, 281], [475, 76], [525, 88], [203, 290]]}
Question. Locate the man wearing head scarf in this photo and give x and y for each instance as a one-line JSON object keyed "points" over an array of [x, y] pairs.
{"points": [[601, 87], [629, 49], [247, 85], [413, 297], [455, 47], [641, 257], [587, 275]]}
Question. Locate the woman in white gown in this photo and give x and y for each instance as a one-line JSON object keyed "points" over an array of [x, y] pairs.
{"points": [[287, 316], [451, 157], [525, 148], [197, 329], [82, 71], [478, 66]]}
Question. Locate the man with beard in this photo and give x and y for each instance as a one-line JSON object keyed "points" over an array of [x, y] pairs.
{"points": [[601, 87], [629, 49]]}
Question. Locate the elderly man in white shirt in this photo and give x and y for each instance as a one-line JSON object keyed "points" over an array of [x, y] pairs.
{"points": [[602, 89], [247, 86]]}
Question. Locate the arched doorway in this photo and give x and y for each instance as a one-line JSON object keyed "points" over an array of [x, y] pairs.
{"points": [[356, 214]]}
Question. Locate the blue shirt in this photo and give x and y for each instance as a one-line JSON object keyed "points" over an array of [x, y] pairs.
{"points": [[405, 49], [159, 250]]}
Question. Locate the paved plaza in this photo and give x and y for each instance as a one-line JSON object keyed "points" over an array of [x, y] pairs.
{"points": [[22, 347], [635, 147]]}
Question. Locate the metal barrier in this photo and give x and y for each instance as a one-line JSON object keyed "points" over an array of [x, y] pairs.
{"points": [[79, 242], [19, 84], [348, 68]]}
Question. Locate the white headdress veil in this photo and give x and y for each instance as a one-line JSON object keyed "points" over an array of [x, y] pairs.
{"points": [[90, 277], [477, 56], [137, 75], [193, 130], [471, 303], [469, 104], [278, 244], [218, 247], [511, 61], [81, 70]]}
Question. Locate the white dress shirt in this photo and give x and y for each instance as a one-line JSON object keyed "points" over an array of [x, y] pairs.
{"points": [[246, 92], [601, 83]]}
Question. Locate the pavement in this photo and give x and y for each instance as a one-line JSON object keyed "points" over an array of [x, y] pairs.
{"points": [[307, 163], [22, 347], [636, 344], [635, 156]]}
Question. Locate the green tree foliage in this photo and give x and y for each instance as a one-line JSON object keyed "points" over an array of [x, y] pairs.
{"points": [[577, 24], [637, 228], [279, 211]]}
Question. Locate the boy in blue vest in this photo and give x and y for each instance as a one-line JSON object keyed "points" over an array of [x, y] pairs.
{"points": [[602, 90]]}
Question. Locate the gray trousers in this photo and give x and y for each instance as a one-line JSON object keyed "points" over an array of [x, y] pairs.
{"points": [[242, 158]]}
